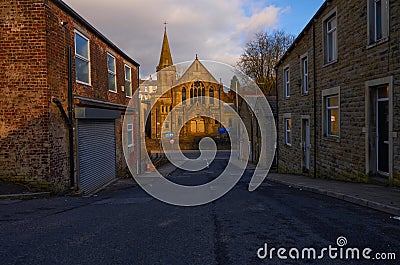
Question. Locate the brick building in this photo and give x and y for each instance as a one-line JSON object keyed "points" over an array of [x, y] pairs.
{"points": [[339, 94], [39, 40]]}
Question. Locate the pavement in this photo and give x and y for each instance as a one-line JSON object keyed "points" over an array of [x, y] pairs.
{"points": [[381, 198]]}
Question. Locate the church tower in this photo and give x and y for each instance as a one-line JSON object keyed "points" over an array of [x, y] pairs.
{"points": [[165, 57], [166, 72]]}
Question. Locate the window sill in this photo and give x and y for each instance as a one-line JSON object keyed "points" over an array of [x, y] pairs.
{"points": [[377, 43], [112, 91], [288, 145], [330, 63], [331, 138], [305, 94], [129, 96], [83, 83], [131, 145], [286, 98]]}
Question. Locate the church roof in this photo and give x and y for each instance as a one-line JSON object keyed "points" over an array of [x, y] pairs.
{"points": [[165, 57], [197, 72]]}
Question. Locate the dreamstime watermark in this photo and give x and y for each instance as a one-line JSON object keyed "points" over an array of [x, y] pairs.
{"points": [[340, 251], [205, 93]]}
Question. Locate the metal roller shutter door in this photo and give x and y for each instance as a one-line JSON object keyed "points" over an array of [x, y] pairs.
{"points": [[96, 153]]}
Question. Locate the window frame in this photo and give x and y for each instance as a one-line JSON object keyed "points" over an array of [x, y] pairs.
{"points": [[288, 131], [305, 80], [372, 22], [286, 81], [130, 135], [80, 57], [129, 88], [112, 73], [326, 32], [326, 121]]}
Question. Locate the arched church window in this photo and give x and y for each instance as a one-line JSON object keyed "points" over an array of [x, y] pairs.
{"points": [[183, 96], [203, 94], [191, 96], [211, 96]]}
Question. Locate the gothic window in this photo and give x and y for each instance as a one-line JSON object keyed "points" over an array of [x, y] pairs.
{"points": [[183, 96], [191, 96], [211, 96], [203, 94]]}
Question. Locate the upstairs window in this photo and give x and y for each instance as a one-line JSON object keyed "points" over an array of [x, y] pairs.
{"points": [[286, 82], [128, 81], [112, 80], [330, 38], [304, 75], [378, 20], [82, 58]]}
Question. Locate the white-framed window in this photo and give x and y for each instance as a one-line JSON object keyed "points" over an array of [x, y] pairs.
{"points": [[286, 82], [130, 135], [331, 117], [288, 131], [378, 20], [304, 74], [330, 37], [128, 81], [112, 75], [82, 58]]}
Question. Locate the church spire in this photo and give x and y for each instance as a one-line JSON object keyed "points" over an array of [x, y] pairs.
{"points": [[165, 57]]}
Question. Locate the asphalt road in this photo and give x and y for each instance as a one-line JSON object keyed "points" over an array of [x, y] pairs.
{"points": [[127, 226]]}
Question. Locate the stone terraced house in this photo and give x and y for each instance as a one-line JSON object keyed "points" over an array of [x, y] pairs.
{"points": [[339, 94], [65, 90]]}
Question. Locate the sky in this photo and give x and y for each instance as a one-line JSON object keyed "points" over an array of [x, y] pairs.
{"points": [[216, 30]]}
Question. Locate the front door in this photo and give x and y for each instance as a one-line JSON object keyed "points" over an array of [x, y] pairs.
{"points": [[305, 145], [382, 130]]}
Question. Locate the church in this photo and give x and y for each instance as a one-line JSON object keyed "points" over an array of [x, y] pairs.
{"points": [[187, 91]]}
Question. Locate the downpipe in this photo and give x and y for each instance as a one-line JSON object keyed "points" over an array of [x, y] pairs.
{"points": [[68, 119]]}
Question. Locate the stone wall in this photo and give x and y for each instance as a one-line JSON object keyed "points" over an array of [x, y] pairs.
{"points": [[343, 158]]}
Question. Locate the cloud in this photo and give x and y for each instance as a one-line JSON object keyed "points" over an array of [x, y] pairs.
{"points": [[215, 30]]}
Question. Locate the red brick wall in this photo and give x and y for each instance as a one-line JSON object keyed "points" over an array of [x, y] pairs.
{"points": [[24, 119], [58, 83], [33, 56]]}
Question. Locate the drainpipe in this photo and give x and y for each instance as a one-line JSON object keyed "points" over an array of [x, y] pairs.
{"points": [[277, 120], [315, 102], [68, 120]]}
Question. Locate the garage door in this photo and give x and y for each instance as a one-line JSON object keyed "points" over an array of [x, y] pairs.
{"points": [[96, 153]]}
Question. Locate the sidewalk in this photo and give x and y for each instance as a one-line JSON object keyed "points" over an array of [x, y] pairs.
{"points": [[385, 199], [12, 191]]}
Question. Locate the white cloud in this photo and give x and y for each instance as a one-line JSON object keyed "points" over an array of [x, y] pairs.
{"points": [[212, 29]]}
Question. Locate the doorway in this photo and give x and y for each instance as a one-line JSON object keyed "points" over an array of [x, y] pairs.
{"points": [[305, 144], [382, 130], [379, 130]]}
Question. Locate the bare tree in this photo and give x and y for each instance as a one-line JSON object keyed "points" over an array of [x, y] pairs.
{"points": [[260, 56]]}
